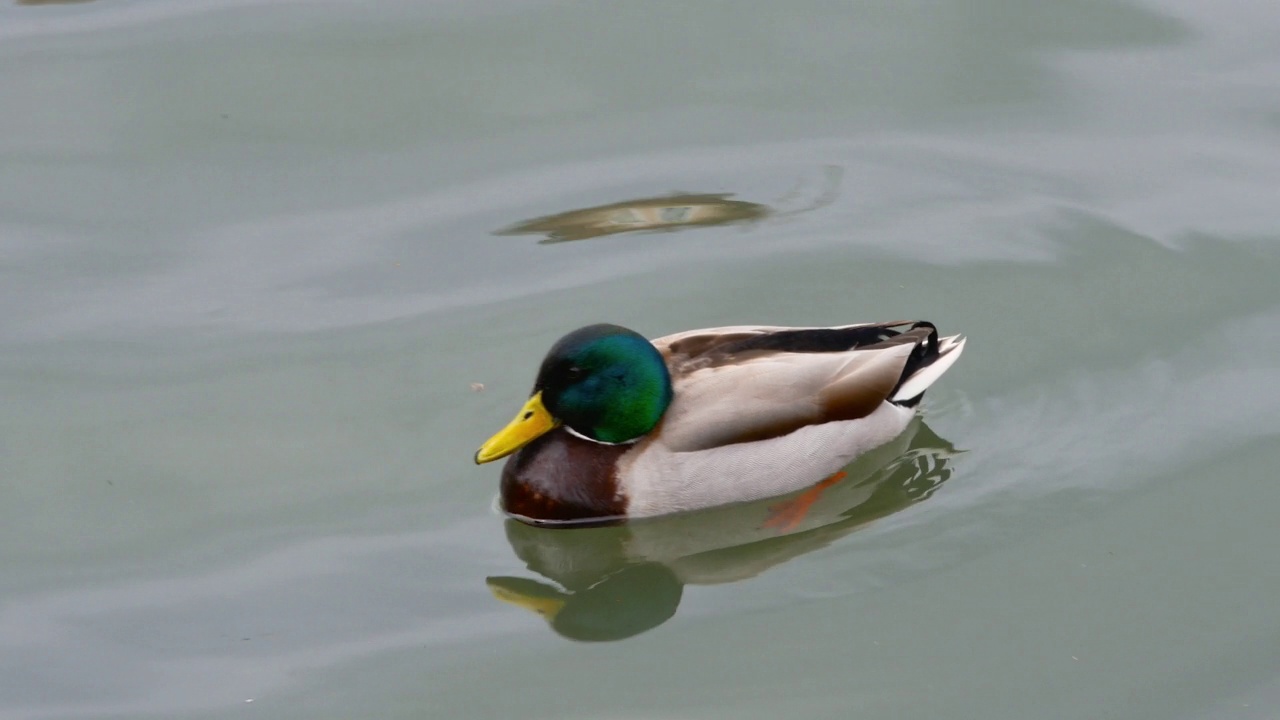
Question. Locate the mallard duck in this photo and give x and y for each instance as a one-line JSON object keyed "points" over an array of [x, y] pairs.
{"points": [[618, 426]]}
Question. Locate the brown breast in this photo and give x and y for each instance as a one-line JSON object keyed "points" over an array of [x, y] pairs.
{"points": [[560, 477]]}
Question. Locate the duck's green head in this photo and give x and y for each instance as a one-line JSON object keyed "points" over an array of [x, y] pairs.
{"points": [[604, 382]]}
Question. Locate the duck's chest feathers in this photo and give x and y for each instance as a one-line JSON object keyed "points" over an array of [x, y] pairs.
{"points": [[562, 477]]}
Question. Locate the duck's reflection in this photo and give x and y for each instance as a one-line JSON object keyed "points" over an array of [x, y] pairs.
{"points": [[615, 582], [671, 212]]}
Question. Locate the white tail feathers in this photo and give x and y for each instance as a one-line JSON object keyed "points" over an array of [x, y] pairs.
{"points": [[949, 349]]}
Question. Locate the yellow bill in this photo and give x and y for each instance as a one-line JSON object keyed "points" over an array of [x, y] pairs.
{"points": [[532, 421]]}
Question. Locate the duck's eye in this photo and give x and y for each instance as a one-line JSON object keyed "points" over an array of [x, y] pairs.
{"points": [[573, 373]]}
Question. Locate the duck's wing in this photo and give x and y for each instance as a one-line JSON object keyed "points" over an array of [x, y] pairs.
{"points": [[747, 383]]}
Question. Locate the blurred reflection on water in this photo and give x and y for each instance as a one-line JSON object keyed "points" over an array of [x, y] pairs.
{"points": [[677, 211], [616, 582]]}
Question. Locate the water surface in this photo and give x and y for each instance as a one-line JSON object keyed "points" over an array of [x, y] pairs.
{"points": [[251, 265]]}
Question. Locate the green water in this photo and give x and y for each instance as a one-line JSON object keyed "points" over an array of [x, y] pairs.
{"points": [[249, 274]]}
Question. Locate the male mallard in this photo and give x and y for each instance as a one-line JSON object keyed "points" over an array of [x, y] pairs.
{"points": [[618, 426]]}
